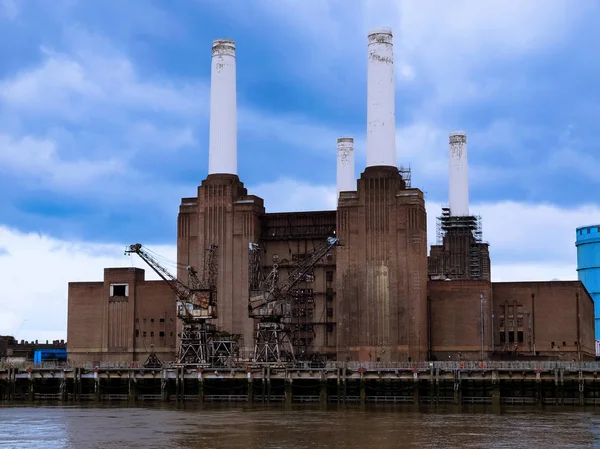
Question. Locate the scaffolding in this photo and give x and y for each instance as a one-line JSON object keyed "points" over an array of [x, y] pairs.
{"points": [[406, 175], [463, 251]]}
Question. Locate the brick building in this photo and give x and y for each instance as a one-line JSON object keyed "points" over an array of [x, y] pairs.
{"points": [[123, 318], [377, 297]]}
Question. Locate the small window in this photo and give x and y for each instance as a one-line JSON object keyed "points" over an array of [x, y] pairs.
{"points": [[511, 337], [152, 320], [152, 334], [137, 332], [564, 343], [502, 337], [161, 334], [552, 344], [329, 327], [137, 320], [329, 276], [162, 320], [171, 334], [120, 290], [520, 336], [144, 333]]}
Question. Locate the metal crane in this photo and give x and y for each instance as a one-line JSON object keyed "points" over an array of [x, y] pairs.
{"points": [[196, 304], [270, 303]]}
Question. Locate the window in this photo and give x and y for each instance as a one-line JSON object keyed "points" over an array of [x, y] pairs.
{"points": [[171, 334], [502, 337], [329, 294], [121, 290], [520, 336], [161, 334], [564, 343], [144, 333], [137, 332], [152, 320], [152, 334], [511, 337], [329, 327], [162, 320], [329, 276]]}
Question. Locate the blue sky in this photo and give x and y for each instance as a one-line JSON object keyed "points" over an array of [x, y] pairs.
{"points": [[104, 119]]}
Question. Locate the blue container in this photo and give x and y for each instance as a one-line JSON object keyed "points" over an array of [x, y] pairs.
{"points": [[588, 265], [49, 355]]}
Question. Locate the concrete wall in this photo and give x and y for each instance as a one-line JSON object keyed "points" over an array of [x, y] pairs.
{"points": [[555, 318], [102, 327], [460, 319]]}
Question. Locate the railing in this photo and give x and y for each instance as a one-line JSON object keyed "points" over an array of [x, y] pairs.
{"points": [[329, 366]]}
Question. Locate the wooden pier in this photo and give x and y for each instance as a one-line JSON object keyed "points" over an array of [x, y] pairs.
{"points": [[535, 383]]}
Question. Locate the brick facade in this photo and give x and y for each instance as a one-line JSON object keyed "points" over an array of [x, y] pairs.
{"points": [[382, 270], [121, 319]]}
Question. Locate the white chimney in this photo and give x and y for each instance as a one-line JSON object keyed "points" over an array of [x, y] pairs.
{"points": [[459, 175], [345, 165], [381, 113], [222, 147]]}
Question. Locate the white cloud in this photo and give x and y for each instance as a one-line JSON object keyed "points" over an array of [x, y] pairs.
{"points": [[36, 272], [94, 76], [285, 195], [39, 159], [528, 242]]}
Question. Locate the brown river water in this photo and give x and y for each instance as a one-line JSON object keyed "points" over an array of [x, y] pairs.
{"points": [[236, 426]]}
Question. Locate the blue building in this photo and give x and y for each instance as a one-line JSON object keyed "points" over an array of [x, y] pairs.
{"points": [[588, 266]]}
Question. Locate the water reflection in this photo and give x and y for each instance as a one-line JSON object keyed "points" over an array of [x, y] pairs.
{"points": [[236, 426]]}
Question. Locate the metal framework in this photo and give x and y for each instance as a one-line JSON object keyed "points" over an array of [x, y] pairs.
{"points": [[462, 239], [196, 304], [273, 343], [270, 301], [406, 175]]}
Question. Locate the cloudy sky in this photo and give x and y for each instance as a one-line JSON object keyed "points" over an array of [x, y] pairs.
{"points": [[104, 122]]}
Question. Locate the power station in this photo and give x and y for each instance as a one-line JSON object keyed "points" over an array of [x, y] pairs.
{"points": [[351, 284]]}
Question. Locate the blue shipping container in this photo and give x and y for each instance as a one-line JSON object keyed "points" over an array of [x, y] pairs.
{"points": [[48, 355]]}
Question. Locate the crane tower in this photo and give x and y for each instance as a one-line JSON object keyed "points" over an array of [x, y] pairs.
{"points": [[200, 343], [269, 302]]}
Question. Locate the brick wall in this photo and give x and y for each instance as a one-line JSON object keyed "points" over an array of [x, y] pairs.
{"points": [[122, 318], [459, 314], [546, 319]]}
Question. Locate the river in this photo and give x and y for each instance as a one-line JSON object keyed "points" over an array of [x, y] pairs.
{"points": [[211, 426]]}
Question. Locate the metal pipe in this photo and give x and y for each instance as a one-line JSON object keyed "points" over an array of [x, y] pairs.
{"points": [[482, 325]]}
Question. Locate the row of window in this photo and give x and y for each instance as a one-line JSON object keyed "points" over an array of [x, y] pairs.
{"points": [[144, 320], [511, 337], [145, 333], [587, 230]]}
